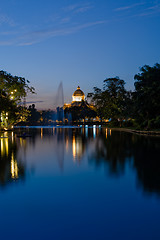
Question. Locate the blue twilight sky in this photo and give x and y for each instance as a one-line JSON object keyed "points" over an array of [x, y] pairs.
{"points": [[77, 42]]}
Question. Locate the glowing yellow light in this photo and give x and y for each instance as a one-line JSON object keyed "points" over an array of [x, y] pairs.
{"points": [[14, 168], [106, 133], [6, 145], [5, 134], [2, 147], [11, 92], [41, 133], [21, 142], [74, 148]]}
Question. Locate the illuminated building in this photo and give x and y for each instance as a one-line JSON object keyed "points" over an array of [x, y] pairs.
{"points": [[79, 109], [78, 95], [77, 98]]}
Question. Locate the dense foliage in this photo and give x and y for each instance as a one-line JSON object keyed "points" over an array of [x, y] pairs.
{"points": [[140, 108], [80, 112], [13, 90], [111, 101], [147, 96]]}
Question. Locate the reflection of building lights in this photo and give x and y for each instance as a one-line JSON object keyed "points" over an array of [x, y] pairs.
{"points": [[110, 132], [41, 133], [21, 142], [106, 133], [77, 148], [67, 144], [6, 145], [14, 168], [94, 131], [74, 147], [2, 147], [12, 136], [86, 130]]}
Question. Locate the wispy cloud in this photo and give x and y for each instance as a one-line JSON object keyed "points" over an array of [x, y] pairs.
{"points": [[70, 7], [31, 102], [78, 8], [65, 20], [59, 24], [83, 9], [142, 9], [152, 10], [7, 42], [38, 36], [4, 19], [31, 38], [6, 33], [154, 7], [129, 6]]}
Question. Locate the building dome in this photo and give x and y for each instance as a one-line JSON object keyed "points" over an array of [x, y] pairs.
{"points": [[78, 95], [78, 92]]}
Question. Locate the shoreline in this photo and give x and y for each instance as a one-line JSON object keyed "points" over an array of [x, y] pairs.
{"points": [[139, 132]]}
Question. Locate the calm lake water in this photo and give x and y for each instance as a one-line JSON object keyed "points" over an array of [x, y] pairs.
{"points": [[79, 183]]}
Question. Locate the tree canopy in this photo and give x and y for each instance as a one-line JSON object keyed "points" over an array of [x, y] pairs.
{"points": [[14, 87], [12, 91], [147, 94], [111, 101]]}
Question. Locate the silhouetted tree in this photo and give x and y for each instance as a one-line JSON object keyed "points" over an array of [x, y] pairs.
{"points": [[34, 115], [81, 111], [111, 102], [147, 96]]}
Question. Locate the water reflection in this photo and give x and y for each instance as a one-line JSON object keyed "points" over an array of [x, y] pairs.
{"points": [[114, 151], [11, 166]]}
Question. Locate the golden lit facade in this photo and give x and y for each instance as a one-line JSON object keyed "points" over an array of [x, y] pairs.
{"points": [[78, 95]]}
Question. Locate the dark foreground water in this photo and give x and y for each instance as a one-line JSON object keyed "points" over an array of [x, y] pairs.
{"points": [[88, 183]]}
